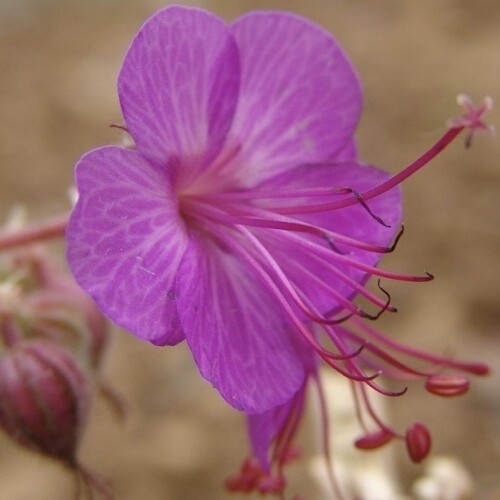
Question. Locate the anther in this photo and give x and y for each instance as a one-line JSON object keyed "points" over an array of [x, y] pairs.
{"points": [[418, 442], [447, 385], [362, 202], [374, 440]]}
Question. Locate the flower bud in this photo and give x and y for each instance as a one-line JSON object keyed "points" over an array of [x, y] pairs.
{"points": [[418, 442], [44, 399], [447, 385], [49, 304], [373, 440]]}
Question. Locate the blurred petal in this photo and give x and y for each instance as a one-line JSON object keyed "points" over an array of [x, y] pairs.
{"points": [[178, 86], [263, 429], [300, 99], [125, 242], [235, 330]]}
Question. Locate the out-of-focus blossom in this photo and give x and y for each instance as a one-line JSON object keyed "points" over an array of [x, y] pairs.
{"points": [[445, 478]]}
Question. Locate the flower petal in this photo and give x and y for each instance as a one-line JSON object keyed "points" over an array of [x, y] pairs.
{"points": [[235, 330], [349, 152], [300, 99], [125, 242], [178, 86], [263, 429]]}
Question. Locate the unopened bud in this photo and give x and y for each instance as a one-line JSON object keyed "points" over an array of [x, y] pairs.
{"points": [[374, 440], [447, 385], [418, 442], [44, 399], [52, 306]]}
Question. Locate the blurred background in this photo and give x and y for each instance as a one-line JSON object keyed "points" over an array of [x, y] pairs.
{"points": [[58, 65]]}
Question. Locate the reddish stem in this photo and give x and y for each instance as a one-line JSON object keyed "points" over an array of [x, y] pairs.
{"points": [[35, 233]]}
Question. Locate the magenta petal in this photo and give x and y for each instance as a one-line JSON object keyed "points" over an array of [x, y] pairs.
{"points": [[349, 152], [300, 99], [125, 242], [235, 330], [178, 86], [263, 429]]}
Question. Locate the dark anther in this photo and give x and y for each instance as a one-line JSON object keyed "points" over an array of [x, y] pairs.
{"points": [[342, 319], [396, 394], [362, 202], [332, 246], [351, 355], [387, 306], [396, 240]]}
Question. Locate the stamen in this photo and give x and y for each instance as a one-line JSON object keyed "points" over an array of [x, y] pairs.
{"points": [[356, 374], [355, 369], [265, 278], [385, 308], [353, 354], [374, 440], [418, 442], [362, 202], [397, 179], [447, 385], [289, 287], [287, 433], [343, 302], [261, 218], [325, 434], [317, 250], [361, 399], [329, 268], [278, 193], [386, 357], [475, 368]]}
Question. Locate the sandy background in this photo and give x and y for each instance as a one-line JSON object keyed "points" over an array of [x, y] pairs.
{"points": [[58, 66]]}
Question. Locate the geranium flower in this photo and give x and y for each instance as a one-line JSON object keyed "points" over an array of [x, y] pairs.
{"points": [[241, 220]]}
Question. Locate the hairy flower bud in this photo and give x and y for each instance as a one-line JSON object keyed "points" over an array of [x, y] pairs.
{"points": [[44, 399], [418, 442], [42, 300]]}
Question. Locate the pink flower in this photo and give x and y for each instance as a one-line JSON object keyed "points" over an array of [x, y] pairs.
{"points": [[204, 231], [242, 220]]}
